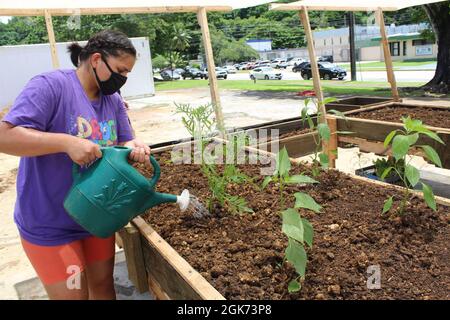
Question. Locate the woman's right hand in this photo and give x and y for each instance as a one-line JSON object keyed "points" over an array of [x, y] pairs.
{"points": [[83, 151]]}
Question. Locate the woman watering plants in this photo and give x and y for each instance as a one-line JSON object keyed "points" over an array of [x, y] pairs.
{"points": [[61, 117]]}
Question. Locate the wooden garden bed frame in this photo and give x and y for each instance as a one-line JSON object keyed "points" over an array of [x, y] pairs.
{"points": [[369, 135], [153, 265]]}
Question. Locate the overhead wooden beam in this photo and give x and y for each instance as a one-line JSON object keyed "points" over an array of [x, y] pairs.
{"points": [[99, 11], [51, 39], [213, 85], [387, 55]]}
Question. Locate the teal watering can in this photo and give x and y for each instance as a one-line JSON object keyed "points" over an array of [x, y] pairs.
{"points": [[110, 193]]}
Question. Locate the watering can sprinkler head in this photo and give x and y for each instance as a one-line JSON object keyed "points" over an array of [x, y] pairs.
{"points": [[183, 200]]}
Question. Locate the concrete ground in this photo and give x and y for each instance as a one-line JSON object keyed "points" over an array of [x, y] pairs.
{"points": [[154, 121]]}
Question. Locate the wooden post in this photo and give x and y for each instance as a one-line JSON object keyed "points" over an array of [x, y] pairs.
{"points": [[387, 55], [51, 38], [213, 86], [131, 241], [332, 145], [304, 17]]}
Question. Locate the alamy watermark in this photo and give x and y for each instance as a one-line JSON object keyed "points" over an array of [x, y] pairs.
{"points": [[374, 277], [205, 150]]}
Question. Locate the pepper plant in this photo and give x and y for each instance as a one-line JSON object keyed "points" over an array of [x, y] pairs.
{"points": [[298, 230], [401, 142], [199, 123], [320, 159]]}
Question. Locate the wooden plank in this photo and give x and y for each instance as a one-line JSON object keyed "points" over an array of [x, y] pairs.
{"points": [[387, 55], [213, 85], [114, 10], [156, 289], [51, 39], [297, 146], [170, 270], [131, 240]]}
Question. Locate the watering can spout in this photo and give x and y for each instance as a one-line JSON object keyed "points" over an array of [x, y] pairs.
{"points": [[159, 198]]}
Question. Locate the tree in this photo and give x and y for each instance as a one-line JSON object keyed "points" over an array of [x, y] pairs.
{"points": [[439, 15]]}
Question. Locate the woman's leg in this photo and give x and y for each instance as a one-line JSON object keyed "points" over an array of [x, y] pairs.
{"points": [[99, 254], [61, 269]]}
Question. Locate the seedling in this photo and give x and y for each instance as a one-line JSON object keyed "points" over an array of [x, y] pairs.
{"points": [[401, 142], [298, 230]]}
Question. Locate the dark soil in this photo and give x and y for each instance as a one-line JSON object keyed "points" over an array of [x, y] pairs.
{"points": [[242, 255], [433, 117]]}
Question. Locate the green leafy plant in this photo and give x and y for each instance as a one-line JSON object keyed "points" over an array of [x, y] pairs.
{"points": [[199, 123], [401, 142], [320, 159], [382, 164], [282, 177], [298, 230], [218, 185]]}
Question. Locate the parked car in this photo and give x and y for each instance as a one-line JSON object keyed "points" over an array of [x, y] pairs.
{"points": [[169, 74], [325, 59], [220, 73], [276, 63], [230, 69], [295, 61], [283, 65], [193, 73], [327, 71], [299, 67], [265, 73]]}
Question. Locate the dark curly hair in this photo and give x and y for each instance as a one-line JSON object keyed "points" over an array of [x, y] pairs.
{"points": [[106, 42]]}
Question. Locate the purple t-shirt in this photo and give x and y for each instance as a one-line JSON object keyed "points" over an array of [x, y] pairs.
{"points": [[56, 102]]}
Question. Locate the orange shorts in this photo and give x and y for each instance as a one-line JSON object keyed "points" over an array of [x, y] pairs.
{"points": [[54, 264]]}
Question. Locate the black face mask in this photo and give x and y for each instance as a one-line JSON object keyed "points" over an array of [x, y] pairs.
{"points": [[113, 84]]}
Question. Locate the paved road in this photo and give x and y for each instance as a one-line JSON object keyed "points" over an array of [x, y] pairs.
{"points": [[401, 76]]}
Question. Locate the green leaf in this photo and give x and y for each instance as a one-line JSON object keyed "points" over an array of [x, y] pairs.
{"points": [[294, 286], [308, 232], [412, 174], [329, 100], [300, 179], [296, 254], [400, 146], [389, 138], [432, 155], [292, 224], [283, 163], [324, 131], [412, 138], [388, 205], [413, 124], [433, 136], [324, 160], [266, 181], [336, 112], [302, 200], [429, 196], [385, 173]]}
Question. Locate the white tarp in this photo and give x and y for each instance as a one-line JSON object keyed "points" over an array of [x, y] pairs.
{"points": [[68, 7], [352, 5], [33, 59]]}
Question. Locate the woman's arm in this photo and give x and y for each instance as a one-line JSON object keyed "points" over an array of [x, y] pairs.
{"points": [[27, 142]]}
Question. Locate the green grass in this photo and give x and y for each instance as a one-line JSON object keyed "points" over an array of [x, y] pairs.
{"points": [[398, 65], [332, 87]]}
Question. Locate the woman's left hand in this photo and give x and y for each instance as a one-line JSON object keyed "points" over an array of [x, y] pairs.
{"points": [[140, 152]]}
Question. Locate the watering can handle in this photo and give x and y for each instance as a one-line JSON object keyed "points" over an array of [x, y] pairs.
{"points": [[156, 172], [75, 172]]}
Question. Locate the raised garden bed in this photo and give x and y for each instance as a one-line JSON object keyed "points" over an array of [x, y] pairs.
{"points": [[370, 126], [240, 256], [352, 103]]}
